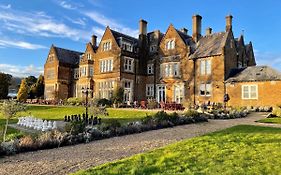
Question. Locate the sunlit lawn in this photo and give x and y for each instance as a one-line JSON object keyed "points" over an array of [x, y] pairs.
{"points": [[276, 120], [58, 113], [237, 150]]}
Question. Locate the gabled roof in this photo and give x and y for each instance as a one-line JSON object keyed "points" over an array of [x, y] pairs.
{"points": [[118, 35], [254, 73], [210, 45], [67, 56], [187, 39]]}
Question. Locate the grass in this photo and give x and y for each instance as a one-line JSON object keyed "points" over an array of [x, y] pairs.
{"points": [[238, 150], [276, 120], [58, 113]]}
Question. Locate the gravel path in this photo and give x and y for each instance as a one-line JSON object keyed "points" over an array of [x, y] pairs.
{"points": [[72, 158]]}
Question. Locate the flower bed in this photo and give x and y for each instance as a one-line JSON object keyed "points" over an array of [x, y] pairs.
{"points": [[78, 133]]}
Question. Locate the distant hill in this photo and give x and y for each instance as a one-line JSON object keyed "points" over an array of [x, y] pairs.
{"points": [[15, 84]]}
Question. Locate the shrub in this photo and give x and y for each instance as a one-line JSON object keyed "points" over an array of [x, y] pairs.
{"points": [[276, 111], [191, 113], [27, 143], [104, 102], [152, 104], [74, 101], [75, 127], [10, 147], [160, 116], [50, 139], [13, 136]]}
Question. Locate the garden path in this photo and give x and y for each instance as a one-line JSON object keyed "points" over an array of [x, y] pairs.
{"points": [[73, 158]]}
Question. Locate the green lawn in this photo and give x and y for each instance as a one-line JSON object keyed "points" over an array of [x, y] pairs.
{"points": [[58, 113], [276, 120], [238, 150]]}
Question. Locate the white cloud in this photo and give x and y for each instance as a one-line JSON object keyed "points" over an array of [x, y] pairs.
{"points": [[66, 5], [269, 59], [8, 6], [105, 21], [79, 21], [39, 24], [21, 71], [20, 44]]}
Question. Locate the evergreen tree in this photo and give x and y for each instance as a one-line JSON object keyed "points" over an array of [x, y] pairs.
{"points": [[4, 85], [39, 86], [23, 91]]}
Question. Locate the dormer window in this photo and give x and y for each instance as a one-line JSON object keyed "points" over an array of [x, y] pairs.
{"points": [[106, 46], [170, 44], [127, 46]]}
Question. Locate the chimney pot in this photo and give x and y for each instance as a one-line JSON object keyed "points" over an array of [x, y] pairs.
{"points": [[228, 22], [184, 30], [143, 27], [196, 27], [94, 40], [209, 31]]}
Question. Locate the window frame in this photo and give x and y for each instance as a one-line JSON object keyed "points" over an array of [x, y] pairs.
{"points": [[129, 64], [149, 90], [150, 69], [204, 84], [205, 67], [249, 92], [106, 65]]}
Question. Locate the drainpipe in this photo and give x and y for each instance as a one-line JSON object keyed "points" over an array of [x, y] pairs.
{"points": [[194, 81]]}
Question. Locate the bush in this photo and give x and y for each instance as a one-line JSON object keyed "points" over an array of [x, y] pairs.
{"points": [[74, 101], [50, 139], [104, 102], [9, 148], [191, 113], [75, 127], [276, 111], [27, 143], [13, 136], [152, 104]]}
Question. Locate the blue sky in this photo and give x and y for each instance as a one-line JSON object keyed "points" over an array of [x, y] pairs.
{"points": [[28, 28]]}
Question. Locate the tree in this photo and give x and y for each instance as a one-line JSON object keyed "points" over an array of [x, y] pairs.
{"points": [[4, 85], [30, 80], [9, 109], [38, 88], [118, 96], [23, 91]]}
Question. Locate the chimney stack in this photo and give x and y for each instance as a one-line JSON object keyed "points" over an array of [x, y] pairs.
{"points": [[143, 27], [196, 27], [228, 22], [209, 31], [184, 30], [94, 40]]}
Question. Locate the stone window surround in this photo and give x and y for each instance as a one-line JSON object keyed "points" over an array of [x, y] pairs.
{"points": [[205, 88], [170, 69], [170, 44], [105, 88], [106, 45], [179, 94], [106, 65], [150, 68], [250, 92], [129, 64], [128, 90], [150, 90], [205, 66]]}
